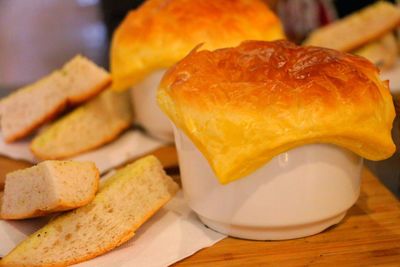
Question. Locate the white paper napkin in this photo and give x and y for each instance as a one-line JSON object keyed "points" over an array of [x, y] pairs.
{"points": [[130, 145], [172, 234]]}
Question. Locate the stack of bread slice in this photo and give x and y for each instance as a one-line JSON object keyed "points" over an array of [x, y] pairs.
{"points": [[124, 202], [30, 107], [104, 116], [368, 32], [89, 126]]}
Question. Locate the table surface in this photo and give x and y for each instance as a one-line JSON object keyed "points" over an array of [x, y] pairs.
{"points": [[369, 235]]}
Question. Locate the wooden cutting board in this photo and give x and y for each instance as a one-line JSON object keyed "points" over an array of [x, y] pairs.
{"points": [[369, 235]]}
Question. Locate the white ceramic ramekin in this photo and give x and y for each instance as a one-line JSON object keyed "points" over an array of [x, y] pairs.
{"points": [[298, 193], [147, 112]]}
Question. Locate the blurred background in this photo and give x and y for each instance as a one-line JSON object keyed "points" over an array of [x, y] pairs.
{"points": [[38, 36]]}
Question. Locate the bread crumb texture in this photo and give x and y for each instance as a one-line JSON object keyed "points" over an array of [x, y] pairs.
{"points": [[91, 125], [48, 187], [28, 108], [124, 202]]}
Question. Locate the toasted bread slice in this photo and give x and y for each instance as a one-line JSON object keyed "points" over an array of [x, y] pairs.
{"points": [[48, 187], [357, 29], [123, 204], [95, 123], [29, 107], [382, 52]]}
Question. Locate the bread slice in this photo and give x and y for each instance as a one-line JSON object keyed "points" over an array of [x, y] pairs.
{"points": [[48, 187], [382, 52], [357, 29], [28, 108], [91, 125], [2, 181], [1, 201], [124, 203]]}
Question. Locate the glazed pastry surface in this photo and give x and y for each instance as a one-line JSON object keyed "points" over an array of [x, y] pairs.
{"points": [[242, 106], [161, 32]]}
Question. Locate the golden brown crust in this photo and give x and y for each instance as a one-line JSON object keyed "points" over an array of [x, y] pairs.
{"points": [[111, 137], [161, 32], [71, 101], [96, 90], [35, 125], [242, 106], [34, 214]]}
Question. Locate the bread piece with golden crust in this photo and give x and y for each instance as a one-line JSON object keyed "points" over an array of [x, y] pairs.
{"points": [[49, 187], [124, 202], [242, 106], [357, 29], [91, 125], [30, 107], [382, 52], [161, 32]]}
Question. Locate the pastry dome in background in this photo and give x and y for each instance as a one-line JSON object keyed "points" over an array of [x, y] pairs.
{"points": [[161, 32], [242, 106]]}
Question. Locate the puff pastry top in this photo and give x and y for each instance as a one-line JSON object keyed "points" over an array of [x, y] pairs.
{"points": [[242, 106], [161, 32]]}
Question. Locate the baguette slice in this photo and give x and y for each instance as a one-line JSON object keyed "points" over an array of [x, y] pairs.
{"points": [[48, 187], [97, 122], [124, 203], [358, 28], [382, 52], [28, 108]]}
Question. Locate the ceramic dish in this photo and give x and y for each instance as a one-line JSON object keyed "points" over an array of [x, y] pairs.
{"points": [[147, 112], [299, 193]]}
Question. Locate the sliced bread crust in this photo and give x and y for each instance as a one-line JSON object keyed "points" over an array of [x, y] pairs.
{"points": [[95, 123], [124, 203], [49, 187], [30, 107], [358, 28]]}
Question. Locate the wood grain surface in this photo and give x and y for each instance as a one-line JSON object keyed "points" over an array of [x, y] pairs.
{"points": [[369, 235]]}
